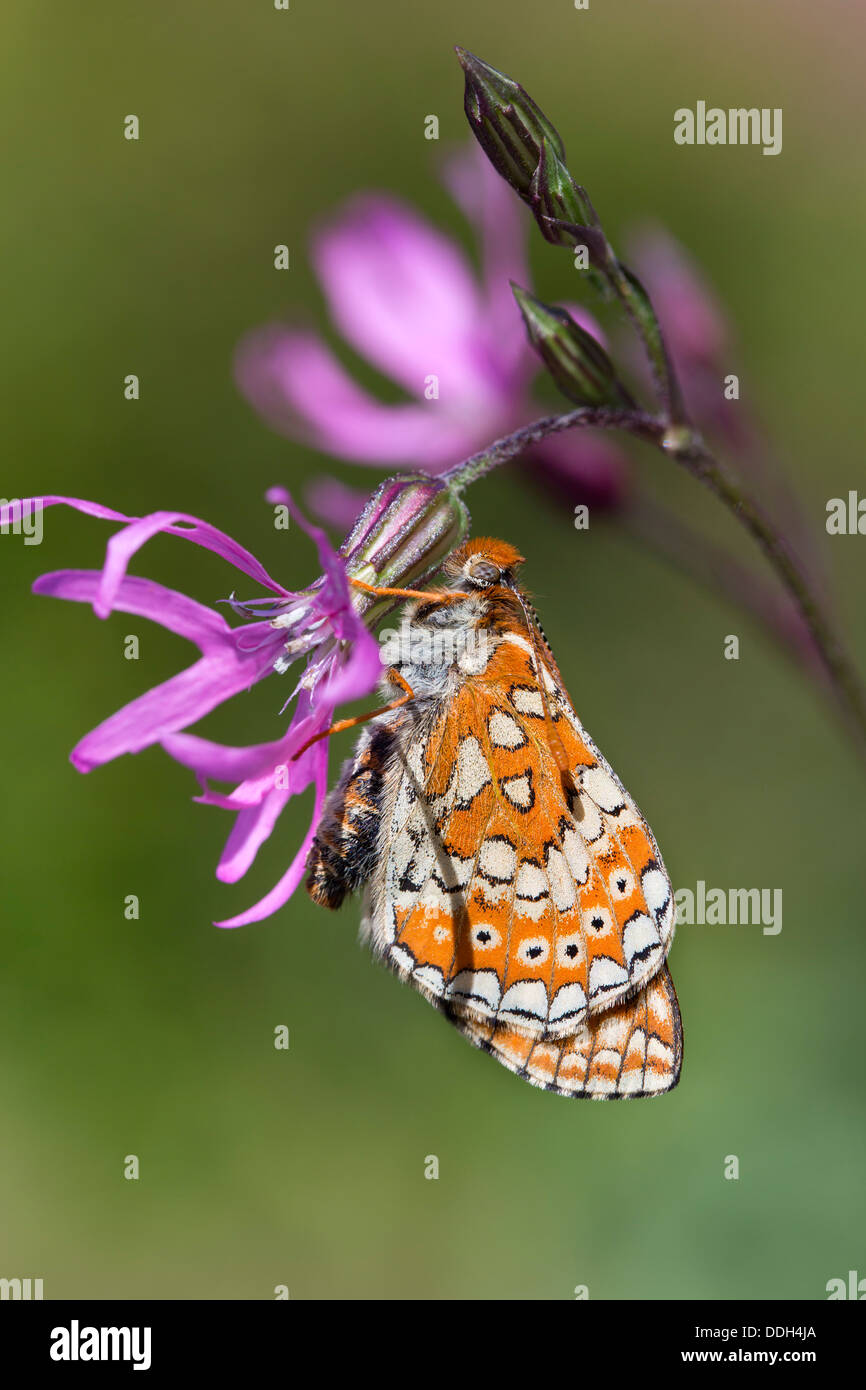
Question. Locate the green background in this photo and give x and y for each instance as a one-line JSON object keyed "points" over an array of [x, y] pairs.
{"points": [[155, 1037]]}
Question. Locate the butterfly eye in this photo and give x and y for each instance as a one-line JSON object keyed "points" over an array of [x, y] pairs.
{"points": [[483, 572]]}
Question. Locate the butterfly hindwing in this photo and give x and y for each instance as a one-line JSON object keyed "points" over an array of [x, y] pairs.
{"points": [[635, 1049]]}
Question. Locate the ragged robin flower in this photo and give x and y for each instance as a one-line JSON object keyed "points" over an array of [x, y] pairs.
{"points": [[408, 527]]}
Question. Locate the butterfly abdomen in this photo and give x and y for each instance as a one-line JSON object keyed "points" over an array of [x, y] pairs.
{"points": [[344, 852]]}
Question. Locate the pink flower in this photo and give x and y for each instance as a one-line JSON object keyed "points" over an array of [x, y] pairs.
{"points": [[405, 297], [321, 623]]}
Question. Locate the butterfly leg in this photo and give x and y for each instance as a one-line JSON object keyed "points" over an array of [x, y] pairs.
{"points": [[392, 675], [450, 596]]}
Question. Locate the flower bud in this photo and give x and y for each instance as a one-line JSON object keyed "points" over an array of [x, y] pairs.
{"points": [[575, 359], [506, 122], [409, 526], [562, 208]]}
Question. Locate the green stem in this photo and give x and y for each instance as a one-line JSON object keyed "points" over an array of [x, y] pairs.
{"points": [[686, 447], [639, 308]]}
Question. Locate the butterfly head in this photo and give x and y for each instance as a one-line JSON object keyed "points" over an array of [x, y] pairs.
{"points": [[483, 563]]}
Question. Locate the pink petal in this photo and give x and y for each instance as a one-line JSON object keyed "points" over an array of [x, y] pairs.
{"points": [[502, 223], [166, 708], [357, 672], [252, 827], [124, 544], [257, 800], [585, 469], [332, 565], [144, 598], [335, 503], [258, 786], [219, 761], [691, 316], [283, 890], [265, 801], [403, 295], [234, 660], [89, 508], [296, 383]]}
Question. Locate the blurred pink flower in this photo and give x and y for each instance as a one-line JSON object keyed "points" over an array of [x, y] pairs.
{"points": [[696, 328], [404, 296]]}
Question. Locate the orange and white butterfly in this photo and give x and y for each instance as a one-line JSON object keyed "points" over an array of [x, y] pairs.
{"points": [[507, 873]]}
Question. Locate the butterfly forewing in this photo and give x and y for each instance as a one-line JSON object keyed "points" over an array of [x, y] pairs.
{"points": [[503, 893], [508, 875]]}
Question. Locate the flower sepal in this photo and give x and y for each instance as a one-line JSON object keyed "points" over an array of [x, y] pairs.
{"points": [[409, 526]]}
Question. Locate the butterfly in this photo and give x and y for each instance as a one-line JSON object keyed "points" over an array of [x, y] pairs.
{"points": [[506, 872]]}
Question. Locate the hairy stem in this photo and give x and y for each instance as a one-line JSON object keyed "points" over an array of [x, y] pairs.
{"points": [[637, 305], [636, 422]]}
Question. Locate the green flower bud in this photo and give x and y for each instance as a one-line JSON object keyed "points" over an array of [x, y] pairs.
{"points": [[575, 359], [506, 122]]}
